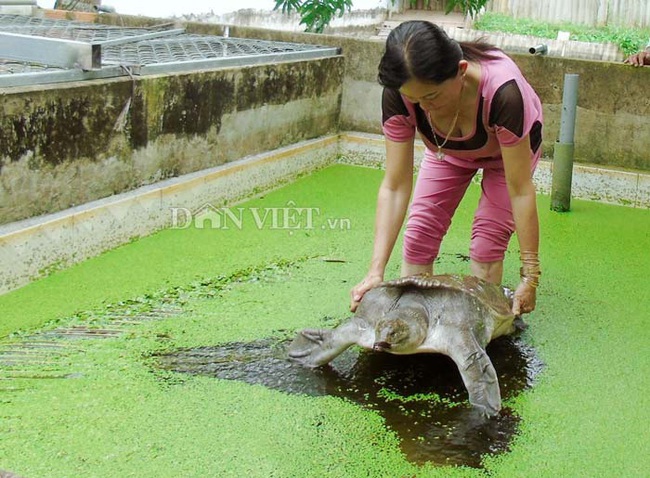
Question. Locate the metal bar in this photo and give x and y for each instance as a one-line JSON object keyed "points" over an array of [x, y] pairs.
{"points": [[23, 10], [26, 79], [50, 51], [145, 36], [223, 62]]}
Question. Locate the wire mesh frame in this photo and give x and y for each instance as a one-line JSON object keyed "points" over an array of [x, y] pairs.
{"points": [[120, 56], [197, 47], [71, 30]]}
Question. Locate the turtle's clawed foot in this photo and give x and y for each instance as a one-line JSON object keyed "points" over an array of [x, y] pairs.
{"points": [[316, 336], [311, 348]]}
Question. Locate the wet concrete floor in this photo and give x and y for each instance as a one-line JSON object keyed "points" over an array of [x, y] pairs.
{"points": [[421, 397]]}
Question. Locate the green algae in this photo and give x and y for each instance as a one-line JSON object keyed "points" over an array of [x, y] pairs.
{"points": [[586, 416], [391, 396]]}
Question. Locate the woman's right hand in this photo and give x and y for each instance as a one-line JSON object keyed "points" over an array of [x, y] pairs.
{"points": [[357, 292]]}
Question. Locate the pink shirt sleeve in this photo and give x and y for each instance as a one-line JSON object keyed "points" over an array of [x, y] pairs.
{"points": [[398, 128], [398, 117]]}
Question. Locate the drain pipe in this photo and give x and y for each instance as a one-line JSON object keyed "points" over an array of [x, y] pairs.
{"points": [[541, 49], [563, 151]]}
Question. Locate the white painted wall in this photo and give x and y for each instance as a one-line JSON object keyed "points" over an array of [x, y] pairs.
{"points": [[167, 8]]}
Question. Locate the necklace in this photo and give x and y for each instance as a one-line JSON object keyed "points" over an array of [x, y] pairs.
{"points": [[439, 154]]}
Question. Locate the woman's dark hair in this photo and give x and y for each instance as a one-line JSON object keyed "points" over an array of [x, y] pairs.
{"points": [[422, 50]]}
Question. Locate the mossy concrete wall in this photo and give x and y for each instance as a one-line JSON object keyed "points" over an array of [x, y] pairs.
{"points": [[65, 145], [361, 100], [613, 118]]}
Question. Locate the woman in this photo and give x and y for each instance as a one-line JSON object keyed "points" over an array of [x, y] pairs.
{"points": [[474, 110]]}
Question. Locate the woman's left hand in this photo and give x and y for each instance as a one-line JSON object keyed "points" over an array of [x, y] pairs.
{"points": [[524, 299], [640, 59]]}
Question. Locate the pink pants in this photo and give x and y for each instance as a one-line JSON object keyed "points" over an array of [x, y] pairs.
{"points": [[439, 189]]}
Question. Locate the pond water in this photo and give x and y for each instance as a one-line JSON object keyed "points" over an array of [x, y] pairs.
{"points": [[421, 397]]}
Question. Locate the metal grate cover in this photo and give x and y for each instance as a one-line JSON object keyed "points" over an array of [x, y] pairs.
{"points": [[195, 47], [134, 51], [70, 30]]}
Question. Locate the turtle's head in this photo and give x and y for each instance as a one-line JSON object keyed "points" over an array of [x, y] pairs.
{"points": [[401, 331]]}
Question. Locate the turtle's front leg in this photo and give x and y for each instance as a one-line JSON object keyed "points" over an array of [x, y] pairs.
{"points": [[478, 374], [316, 347]]}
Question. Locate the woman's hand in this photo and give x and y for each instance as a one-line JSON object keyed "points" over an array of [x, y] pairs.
{"points": [[639, 59], [524, 299], [370, 281]]}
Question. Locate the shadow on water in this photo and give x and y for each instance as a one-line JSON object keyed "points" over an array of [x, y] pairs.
{"points": [[421, 397]]}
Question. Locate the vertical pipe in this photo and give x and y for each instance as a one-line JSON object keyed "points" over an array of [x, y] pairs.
{"points": [[563, 152], [569, 103]]}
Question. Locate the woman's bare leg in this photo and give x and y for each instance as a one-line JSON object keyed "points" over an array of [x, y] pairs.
{"points": [[409, 269], [489, 271]]}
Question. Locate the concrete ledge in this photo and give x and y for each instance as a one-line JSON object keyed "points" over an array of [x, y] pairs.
{"points": [[35, 247]]}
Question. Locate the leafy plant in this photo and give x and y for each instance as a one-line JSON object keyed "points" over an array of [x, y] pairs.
{"points": [[469, 7], [629, 40], [317, 14], [414, 3]]}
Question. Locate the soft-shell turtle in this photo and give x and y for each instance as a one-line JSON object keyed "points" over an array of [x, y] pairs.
{"points": [[449, 314]]}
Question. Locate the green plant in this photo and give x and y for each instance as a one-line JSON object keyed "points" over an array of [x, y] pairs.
{"points": [[469, 7], [629, 40], [314, 14], [317, 14], [414, 3]]}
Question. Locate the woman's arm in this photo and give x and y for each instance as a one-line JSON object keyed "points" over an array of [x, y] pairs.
{"points": [[392, 202], [517, 165]]}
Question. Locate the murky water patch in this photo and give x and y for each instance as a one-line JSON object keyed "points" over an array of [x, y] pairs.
{"points": [[421, 397], [8, 474], [40, 355]]}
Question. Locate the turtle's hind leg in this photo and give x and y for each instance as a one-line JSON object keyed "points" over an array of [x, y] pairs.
{"points": [[316, 347]]}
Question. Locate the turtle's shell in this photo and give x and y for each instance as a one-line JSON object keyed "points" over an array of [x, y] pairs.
{"points": [[492, 295]]}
